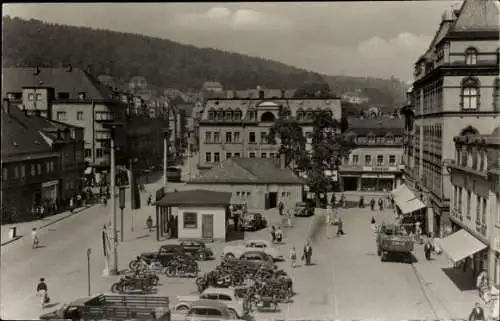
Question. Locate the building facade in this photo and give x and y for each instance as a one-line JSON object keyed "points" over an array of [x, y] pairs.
{"points": [[376, 162], [238, 127], [455, 86], [475, 198]]}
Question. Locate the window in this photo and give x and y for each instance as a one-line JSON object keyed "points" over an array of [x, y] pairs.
{"points": [[220, 115], [237, 115], [39, 169], [228, 155], [208, 157], [471, 56], [236, 154], [263, 155], [236, 137], [216, 137], [23, 171], [33, 170], [467, 211], [380, 160], [211, 115], [16, 172], [460, 191], [98, 153], [355, 159], [470, 94], [251, 137], [88, 152], [224, 297], [229, 137], [392, 159], [190, 220], [478, 209], [455, 197], [251, 154], [368, 159], [61, 115], [263, 137], [208, 137], [47, 167], [79, 115], [5, 173], [216, 157], [104, 115], [81, 95], [272, 155], [63, 95], [483, 211], [102, 134], [228, 115]]}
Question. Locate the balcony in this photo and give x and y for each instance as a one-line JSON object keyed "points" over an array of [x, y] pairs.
{"points": [[481, 229]]}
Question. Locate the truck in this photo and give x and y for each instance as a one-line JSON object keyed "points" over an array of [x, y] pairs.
{"points": [[394, 241], [235, 251], [113, 307]]}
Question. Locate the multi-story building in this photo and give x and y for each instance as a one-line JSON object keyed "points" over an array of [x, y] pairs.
{"points": [[475, 200], [238, 127], [375, 164], [455, 87], [75, 97], [41, 162]]}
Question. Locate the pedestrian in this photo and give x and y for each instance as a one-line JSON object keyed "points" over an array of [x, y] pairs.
{"points": [[373, 224], [281, 207], [372, 204], [307, 253], [293, 257], [342, 200], [427, 250], [79, 200], [289, 218], [34, 238], [340, 227], [418, 232], [361, 202], [150, 199], [273, 234], [279, 235], [380, 204], [42, 291], [482, 283], [333, 200], [477, 313], [149, 223], [71, 205]]}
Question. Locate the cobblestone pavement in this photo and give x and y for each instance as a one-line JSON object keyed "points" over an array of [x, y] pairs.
{"points": [[347, 280]]}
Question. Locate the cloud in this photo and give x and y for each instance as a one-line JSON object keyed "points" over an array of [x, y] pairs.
{"points": [[239, 20]]}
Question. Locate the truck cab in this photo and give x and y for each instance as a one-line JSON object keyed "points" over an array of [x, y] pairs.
{"points": [[393, 241]]}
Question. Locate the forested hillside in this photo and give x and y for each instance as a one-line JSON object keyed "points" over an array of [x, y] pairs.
{"points": [[164, 63]]}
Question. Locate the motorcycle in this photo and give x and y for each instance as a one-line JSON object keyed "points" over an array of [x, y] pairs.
{"points": [[132, 283], [181, 269]]}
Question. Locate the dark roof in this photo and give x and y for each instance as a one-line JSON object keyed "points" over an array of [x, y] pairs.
{"points": [[248, 171], [376, 126], [20, 137], [477, 15], [48, 126], [72, 82], [195, 197]]}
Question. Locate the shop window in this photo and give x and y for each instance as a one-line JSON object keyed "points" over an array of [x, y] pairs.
{"points": [[190, 220]]}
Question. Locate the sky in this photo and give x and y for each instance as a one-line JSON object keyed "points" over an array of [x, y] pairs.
{"points": [[375, 39]]}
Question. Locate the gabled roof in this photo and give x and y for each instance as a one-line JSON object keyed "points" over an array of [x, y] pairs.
{"points": [[62, 80], [478, 15], [196, 197], [248, 171]]}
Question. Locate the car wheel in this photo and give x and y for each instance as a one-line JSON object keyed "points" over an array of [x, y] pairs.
{"points": [[182, 308], [229, 256]]}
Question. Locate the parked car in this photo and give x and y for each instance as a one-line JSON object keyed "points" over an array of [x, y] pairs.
{"points": [[233, 251], [204, 310], [197, 249], [174, 174], [257, 256], [304, 209], [166, 253], [236, 305], [254, 222]]}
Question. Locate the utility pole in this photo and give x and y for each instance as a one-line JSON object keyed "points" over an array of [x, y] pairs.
{"points": [[165, 158]]}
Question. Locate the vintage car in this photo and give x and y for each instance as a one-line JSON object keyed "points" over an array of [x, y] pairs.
{"points": [[204, 310], [197, 249], [304, 209], [257, 256], [166, 253], [235, 251], [254, 222], [393, 241], [237, 306]]}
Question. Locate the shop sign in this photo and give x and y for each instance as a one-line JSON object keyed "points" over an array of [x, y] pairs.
{"points": [[386, 176], [50, 183], [369, 176]]}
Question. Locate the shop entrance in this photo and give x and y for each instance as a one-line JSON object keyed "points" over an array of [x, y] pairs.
{"points": [[350, 183]]}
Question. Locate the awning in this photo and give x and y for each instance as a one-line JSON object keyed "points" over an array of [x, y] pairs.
{"points": [[402, 194], [411, 206], [460, 245]]}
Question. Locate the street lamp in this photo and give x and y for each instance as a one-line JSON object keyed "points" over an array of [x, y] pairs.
{"points": [[88, 270], [165, 132]]}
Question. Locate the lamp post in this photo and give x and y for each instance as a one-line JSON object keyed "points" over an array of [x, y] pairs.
{"points": [[131, 164], [88, 270], [121, 198], [165, 132]]}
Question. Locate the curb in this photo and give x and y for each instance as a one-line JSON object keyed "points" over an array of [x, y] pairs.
{"points": [[50, 223]]}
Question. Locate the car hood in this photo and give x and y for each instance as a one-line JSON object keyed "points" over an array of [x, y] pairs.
{"points": [[188, 298], [56, 314], [149, 254]]}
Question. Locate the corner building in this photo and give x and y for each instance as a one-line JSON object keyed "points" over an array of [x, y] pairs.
{"points": [[455, 87]]}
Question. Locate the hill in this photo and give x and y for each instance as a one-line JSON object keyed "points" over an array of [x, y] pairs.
{"points": [[162, 62]]}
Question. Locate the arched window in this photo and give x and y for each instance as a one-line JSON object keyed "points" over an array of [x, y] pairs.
{"points": [[470, 94], [471, 56], [211, 114], [237, 114], [267, 117]]}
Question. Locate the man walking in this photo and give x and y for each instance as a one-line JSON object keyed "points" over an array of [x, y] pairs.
{"points": [[477, 313], [281, 207], [307, 253], [427, 250]]}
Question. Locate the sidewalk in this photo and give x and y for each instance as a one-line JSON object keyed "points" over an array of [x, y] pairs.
{"points": [[447, 299], [24, 228]]}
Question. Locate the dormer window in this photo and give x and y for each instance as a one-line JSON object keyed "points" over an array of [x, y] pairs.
{"points": [[309, 115], [228, 115], [471, 56], [220, 115], [371, 138], [211, 114], [63, 95], [237, 115]]}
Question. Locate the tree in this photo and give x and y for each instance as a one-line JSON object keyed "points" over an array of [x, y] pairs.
{"points": [[328, 149], [316, 89]]}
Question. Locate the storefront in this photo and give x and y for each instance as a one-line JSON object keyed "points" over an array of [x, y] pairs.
{"points": [[368, 182], [50, 191]]}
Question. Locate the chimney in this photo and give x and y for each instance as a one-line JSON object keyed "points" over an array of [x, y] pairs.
{"points": [[6, 105], [282, 162]]}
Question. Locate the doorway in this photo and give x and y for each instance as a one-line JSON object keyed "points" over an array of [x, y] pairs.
{"points": [[273, 200], [350, 183], [207, 226]]}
